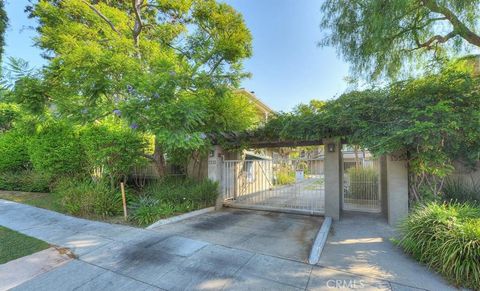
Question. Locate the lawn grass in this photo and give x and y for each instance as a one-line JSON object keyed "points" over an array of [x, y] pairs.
{"points": [[42, 200], [52, 202], [14, 245]]}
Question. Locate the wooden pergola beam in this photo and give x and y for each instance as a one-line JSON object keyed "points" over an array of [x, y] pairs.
{"points": [[238, 140], [282, 143]]}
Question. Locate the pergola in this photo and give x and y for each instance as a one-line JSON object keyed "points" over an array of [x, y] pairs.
{"points": [[393, 171], [253, 140]]}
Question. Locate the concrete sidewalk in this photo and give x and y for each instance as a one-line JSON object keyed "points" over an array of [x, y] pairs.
{"points": [[31, 266], [114, 257]]}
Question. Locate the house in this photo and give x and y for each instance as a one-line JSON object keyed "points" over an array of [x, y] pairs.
{"points": [[248, 171], [263, 110]]}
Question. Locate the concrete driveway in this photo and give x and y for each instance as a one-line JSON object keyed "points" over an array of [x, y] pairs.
{"points": [[114, 257], [276, 234]]}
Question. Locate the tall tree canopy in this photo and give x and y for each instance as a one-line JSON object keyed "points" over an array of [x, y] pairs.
{"points": [[3, 27], [166, 66], [382, 37]]}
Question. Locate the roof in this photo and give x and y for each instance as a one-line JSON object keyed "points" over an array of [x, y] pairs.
{"points": [[256, 100], [255, 156]]}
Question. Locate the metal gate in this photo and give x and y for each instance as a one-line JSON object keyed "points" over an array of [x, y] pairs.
{"points": [[288, 185], [361, 187]]}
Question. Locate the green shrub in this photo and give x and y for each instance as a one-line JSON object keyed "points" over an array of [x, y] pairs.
{"points": [[285, 175], [445, 237], [171, 196], [9, 113], [112, 147], [148, 210], [85, 197], [460, 191], [363, 183], [13, 151], [27, 181], [177, 191], [55, 149]]}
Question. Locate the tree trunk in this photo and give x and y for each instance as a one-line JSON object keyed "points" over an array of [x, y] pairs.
{"points": [[159, 160], [192, 165], [195, 165], [357, 162]]}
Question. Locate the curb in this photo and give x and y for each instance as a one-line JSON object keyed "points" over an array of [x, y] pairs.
{"points": [[181, 217], [320, 241]]}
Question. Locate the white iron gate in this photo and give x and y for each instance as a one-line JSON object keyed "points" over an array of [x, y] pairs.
{"points": [[361, 189], [289, 185]]}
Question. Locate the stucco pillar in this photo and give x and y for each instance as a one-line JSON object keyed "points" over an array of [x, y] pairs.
{"points": [[397, 189], [383, 185], [333, 178], [215, 171]]}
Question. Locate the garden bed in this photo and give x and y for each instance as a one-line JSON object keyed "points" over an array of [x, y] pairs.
{"points": [[87, 199]]}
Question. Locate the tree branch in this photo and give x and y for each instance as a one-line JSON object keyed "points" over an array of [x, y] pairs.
{"points": [[147, 156], [458, 26], [215, 66], [137, 28], [101, 16], [435, 40]]}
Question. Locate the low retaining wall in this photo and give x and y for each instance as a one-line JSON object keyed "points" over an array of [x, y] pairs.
{"points": [[180, 217]]}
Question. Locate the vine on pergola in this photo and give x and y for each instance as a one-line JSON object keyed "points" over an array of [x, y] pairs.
{"points": [[432, 121]]}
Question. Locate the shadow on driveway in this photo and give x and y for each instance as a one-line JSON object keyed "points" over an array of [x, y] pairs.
{"points": [[277, 234]]}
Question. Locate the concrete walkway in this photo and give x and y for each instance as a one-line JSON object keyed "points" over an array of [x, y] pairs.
{"points": [[114, 257], [360, 244]]}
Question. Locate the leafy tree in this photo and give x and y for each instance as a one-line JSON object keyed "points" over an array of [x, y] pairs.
{"points": [[25, 87], [381, 37], [9, 113], [162, 65], [235, 112], [111, 149], [3, 27], [313, 107]]}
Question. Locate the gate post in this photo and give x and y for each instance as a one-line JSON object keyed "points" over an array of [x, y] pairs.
{"points": [[215, 172], [333, 177], [397, 189]]}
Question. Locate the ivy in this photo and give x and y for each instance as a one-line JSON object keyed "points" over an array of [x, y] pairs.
{"points": [[432, 121]]}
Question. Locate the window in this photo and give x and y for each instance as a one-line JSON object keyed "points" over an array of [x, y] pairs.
{"points": [[249, 171]]}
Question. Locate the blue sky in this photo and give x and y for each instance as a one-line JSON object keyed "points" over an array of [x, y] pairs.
{"points": [[19, 34], [288, 67]]}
